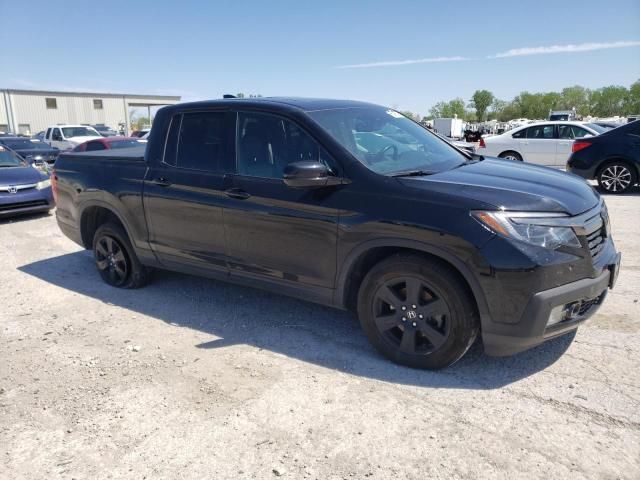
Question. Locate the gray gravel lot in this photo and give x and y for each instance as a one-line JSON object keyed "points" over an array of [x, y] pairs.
{"points": [[192, 378]]}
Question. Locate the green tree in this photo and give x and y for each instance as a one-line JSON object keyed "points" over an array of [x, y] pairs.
{"points": [[575, 97], [609, 101], [632, 104], [481, 101]]}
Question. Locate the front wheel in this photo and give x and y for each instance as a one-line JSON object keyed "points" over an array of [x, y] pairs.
{"points": [[417, 312], [617, 177], [115, 258]]}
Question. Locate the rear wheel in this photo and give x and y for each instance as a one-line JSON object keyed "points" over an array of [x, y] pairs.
{"points": [[115, 258], [511, 155], [417, 312], [617, 177]]}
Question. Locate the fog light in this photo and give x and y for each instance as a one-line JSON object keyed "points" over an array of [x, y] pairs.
{"points": [[561, 313], [556, 316]]}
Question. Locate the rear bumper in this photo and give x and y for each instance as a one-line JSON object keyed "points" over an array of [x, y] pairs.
{"points": [[70, 231], [508, 339]]}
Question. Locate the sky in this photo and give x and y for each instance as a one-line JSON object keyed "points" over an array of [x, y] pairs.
{"points": [[404, 54]]}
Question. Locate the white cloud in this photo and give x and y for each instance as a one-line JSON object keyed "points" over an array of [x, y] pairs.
{"points": [[393, 63], [581, 47]]}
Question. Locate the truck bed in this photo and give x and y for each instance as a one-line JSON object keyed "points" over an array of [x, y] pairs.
{"points": [[129, 154]]}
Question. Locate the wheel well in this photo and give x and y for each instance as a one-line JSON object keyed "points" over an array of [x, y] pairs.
{"points": [[509, 151], [92, 218], [371, 257]]}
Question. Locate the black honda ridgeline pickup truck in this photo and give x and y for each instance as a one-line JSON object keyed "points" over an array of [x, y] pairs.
{"points": [[351, 205]]}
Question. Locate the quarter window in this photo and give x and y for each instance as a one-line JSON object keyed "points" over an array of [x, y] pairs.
{"points": [[51, 103], [267, 143], [521, 134], [540, 132], [201, 141]]}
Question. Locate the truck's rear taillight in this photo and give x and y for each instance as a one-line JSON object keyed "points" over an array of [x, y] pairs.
{"points": [[54, 185], [482, 144], [579, 145]]}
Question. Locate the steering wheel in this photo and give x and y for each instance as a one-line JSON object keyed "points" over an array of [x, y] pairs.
{"points": [[383, 151]]}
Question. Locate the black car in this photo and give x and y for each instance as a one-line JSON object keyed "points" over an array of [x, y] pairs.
{"points": [[351, 205], [32, 151], [612, 158]]}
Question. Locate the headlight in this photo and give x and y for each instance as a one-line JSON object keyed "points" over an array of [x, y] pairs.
{"points": [[533, 228], [43, 184]]}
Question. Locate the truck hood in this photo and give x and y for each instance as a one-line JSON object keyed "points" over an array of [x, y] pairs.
{"points": [[20, 176], [79, 140], [512, 185]]}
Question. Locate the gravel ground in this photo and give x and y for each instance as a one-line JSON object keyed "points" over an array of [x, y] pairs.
{"points": [[192, 378]]}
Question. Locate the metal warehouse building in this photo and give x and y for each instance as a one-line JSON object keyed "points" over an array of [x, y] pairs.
{"points": [[30, 111]]}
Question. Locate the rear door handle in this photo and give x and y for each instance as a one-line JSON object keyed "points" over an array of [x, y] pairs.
{"points": [[162, 182], [237, 193]]}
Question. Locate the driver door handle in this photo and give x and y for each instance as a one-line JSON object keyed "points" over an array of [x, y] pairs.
{"points": [[162, 182], [237, 193]]}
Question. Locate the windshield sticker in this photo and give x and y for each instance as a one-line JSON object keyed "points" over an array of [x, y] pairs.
{"points": [[394, 114]]}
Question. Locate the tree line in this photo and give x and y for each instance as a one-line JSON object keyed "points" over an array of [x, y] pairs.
{"points": [[483, 105]]}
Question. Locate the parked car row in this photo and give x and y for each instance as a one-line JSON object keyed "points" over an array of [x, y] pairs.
{"points": [[614, 160]]}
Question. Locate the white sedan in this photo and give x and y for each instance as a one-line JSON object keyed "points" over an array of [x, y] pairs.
{"points": [[544, 143]]}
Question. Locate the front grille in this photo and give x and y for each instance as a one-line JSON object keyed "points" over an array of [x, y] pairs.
{"points": [[587, 305], [5, 207], [596, 242]]}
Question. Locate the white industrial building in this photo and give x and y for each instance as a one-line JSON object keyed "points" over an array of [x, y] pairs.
{"points": [[30, 111]]}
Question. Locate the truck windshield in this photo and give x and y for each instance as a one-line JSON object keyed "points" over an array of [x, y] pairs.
{"points": [[387, 142], [70, 132], [9, 159]]}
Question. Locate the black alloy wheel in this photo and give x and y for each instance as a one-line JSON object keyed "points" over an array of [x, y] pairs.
{"points": [[417, 311], [411, 316], [111, 260]]}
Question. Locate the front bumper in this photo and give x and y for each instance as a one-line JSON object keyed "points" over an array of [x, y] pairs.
{"points": [[26, 201], [532, 330]]}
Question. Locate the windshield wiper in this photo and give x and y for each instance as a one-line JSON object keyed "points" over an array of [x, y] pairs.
{"points": [[412, 173]]}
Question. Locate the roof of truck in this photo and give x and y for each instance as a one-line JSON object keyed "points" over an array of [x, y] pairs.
{"points": [[306, 104]]}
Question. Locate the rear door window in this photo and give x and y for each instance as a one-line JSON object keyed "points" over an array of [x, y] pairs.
{"points": [[540, 132], [201, 141]]}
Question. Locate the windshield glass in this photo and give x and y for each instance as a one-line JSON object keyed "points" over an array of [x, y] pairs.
{"points": [[387, 142], [25, 145], [69, 132], [125, 144], [598, 128], [9, 159]]}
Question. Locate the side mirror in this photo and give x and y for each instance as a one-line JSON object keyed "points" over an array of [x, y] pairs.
{"points": [[309, 175]]}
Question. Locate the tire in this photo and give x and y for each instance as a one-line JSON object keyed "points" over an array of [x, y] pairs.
{"points": [[511, 155], [116, 260], [617, 177], [432, 333]]}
